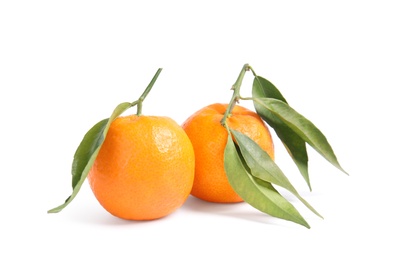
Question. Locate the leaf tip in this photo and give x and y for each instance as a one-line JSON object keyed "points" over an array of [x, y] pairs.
{"points": [[54, 210], [303, 223], [338, 166]]}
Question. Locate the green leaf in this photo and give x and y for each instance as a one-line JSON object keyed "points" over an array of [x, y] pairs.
{"points": [[267, 88], [294, 144], [301, 126], [87, 152], [256, 192], [92, 140], [263, 167]]}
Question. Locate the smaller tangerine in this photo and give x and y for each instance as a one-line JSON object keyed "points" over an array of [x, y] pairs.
{"points": [[209, 139]]}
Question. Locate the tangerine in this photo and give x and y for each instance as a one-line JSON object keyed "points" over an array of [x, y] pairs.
{"points": [[209, 139], [144, 169]]}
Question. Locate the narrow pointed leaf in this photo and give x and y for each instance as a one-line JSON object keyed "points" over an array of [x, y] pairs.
{"points": [[91, 141], [263, 167], [302, 127], [294, 144], [256, 192], [87, 152]]}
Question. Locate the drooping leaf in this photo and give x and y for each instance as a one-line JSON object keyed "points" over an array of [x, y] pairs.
{"points": [[263, 167], [294, 144], [256, 192], [91, 141], [301, 126], [87, 152]]}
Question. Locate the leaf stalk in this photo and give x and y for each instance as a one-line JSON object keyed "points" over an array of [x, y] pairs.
{"points": [[145, 93], [236, 93]]}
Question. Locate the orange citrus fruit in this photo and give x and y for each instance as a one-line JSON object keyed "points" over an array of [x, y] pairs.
{"points": [[144, 169], [209, 139]]}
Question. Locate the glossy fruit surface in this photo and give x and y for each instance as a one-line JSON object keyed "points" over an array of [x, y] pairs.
{"points": [[209, 139], [144, 169]]}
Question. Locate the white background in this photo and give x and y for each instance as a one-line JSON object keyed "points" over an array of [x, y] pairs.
{"points": [[64, 65]]}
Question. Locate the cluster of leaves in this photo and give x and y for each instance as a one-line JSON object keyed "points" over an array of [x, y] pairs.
{"points": [[250, 170]]}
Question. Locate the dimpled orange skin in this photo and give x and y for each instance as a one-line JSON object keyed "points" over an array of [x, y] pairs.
{"points": [[144, 169], [209, 139]]}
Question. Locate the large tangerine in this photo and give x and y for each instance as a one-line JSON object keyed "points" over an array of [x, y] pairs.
{"points": [[144, 169]]}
